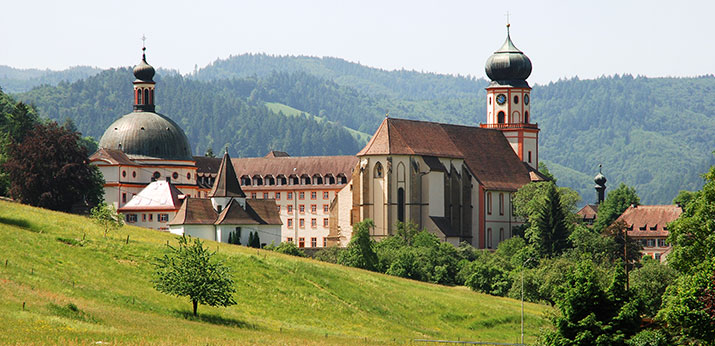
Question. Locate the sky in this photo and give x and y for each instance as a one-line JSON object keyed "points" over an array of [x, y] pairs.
{"points": [[563, 39]]}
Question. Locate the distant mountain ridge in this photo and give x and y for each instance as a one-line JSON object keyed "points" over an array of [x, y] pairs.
{"points": [[14, 80], [655, 134]]}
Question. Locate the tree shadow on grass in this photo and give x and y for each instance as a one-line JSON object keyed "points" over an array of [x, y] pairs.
{"points": [[19, 223], [217, 320]]}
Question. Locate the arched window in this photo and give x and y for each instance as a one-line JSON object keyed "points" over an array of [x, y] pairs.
{"points": [[378, 170], [139, 96], [501, 235], [489, 203], [500, 117], [151, 96], [489, 238], [401, 205], [526, 117], [257, 180], [146, 96], [318, 179], [501, 203]]}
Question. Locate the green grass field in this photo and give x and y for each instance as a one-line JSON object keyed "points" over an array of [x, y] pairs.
{"points": [[78, 288], [275, 107]]}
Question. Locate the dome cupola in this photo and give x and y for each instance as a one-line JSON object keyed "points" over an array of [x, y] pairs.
{"points": [[508, 65], [143, 71]]}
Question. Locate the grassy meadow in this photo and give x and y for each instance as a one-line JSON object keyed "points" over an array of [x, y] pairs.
{"points": [[62, 282]]}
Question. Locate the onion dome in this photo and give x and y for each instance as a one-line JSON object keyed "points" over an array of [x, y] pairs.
{"points": [[599, 179], [508, 64], [147, 135], [143, 71]]}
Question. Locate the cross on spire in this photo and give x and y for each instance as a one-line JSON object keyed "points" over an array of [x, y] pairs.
{"points": [[143, 47], [507, 19]]}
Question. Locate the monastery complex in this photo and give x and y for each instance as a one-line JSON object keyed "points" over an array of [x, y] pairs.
{"points": [[455, 181]]}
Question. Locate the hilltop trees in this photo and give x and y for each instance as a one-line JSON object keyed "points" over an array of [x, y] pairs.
{"points": [[191, 270]]}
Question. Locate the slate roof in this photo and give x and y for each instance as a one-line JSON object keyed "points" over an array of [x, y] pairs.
{"points": [[159, 195], [195, 211], [649, 220], [444, 226], [226, 184], [486, 152], [113, 157], [207, 165]]}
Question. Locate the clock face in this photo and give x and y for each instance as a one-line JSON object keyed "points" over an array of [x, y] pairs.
{"points": [[501, 99], [526, 99]]}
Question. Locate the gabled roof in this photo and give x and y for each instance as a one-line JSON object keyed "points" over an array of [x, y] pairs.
{"points": [[534, 174], [588, 212], [195, 211], [486, 152], [276, 153], [649, 220], [159, 195], [257, 212], [226, 184], [113, 157], [444, 226], [298, 165]]}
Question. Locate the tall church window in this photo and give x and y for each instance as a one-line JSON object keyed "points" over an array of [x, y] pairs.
{"points": [[500, 117], [489, 238], [146, 96], [401, 205], [489, 203], [501, 204], [378, 170]]}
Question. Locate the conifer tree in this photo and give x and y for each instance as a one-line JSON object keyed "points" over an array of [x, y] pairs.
{"points": [[549, 231]]}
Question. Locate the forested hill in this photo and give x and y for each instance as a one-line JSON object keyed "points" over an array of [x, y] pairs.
{"points": [[213, 115], [403, 84], [654, 134], [13, 80]]}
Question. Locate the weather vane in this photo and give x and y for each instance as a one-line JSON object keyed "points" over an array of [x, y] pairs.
{"points": [[143, 42]]}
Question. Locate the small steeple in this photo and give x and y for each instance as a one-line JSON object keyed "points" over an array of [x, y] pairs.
{"points": [[144, 84], [600, 181], [226, 184]]}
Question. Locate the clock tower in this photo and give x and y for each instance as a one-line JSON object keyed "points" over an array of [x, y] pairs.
{"points": [[509, 101]]}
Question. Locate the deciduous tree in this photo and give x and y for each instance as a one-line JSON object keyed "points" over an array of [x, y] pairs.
{"points": [[191, 270]]}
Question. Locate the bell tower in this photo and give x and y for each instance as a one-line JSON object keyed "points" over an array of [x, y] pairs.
{"points": [[509, 100], [144, 84]]}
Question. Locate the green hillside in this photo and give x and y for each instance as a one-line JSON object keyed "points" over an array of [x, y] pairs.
{"points": [[275, 107], [55, 259], [15, 80]]}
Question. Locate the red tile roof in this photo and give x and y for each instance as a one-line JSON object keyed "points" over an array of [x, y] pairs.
{"points": [[588, 212], [649, 220], [486, 152], [113, 157], [298, 165], [195, 211]]}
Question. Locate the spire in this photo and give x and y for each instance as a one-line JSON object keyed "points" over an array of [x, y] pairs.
{"points": [[226, 184]]}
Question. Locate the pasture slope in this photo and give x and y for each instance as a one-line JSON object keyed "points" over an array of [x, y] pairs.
{"points": [[62, 282]]}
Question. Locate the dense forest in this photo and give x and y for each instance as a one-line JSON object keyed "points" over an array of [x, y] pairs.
{"points": [[651, 133]]}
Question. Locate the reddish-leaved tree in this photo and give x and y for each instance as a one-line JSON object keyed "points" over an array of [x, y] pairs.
{"points": [[50, 169]]}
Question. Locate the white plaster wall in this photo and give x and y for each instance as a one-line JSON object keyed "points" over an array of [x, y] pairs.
{"points": [[435, 182], [345, 201], [207, 232]]}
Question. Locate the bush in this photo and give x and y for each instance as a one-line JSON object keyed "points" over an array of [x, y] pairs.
{"points": [[328, 254], [288, 248], [648, 338]]}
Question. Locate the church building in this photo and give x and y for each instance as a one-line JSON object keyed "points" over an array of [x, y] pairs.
{"points": [[455, 181]]}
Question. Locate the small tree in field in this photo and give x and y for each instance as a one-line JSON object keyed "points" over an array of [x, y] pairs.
{"points": [[106, 217], [191, 270]]}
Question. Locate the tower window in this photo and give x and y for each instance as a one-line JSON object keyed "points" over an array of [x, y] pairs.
{"points": [[500, 117], [139, 96], [151, 96], [146, 96], [516, 99], [529, 156], [490, 100], [526, 117]]}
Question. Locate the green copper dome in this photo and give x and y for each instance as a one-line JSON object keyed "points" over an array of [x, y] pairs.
{"points": [[508, 65], [147, 135]]}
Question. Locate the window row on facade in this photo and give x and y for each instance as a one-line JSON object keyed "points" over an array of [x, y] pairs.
{"points": [[133, 218], [313, 222], [293, 179], [313, 241]]}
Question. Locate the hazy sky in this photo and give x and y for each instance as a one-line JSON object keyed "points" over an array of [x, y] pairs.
{"points": [[562, 38]]}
